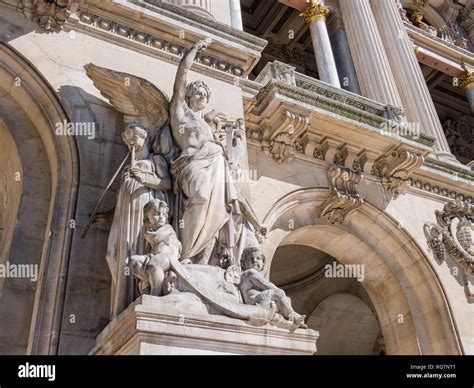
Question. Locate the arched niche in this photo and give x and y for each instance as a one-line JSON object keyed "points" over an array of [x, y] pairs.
{"points": [[414, 315], [346, 325], [30, 312]]}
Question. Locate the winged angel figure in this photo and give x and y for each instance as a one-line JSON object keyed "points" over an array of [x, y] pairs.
{"points": [[176, 157]]}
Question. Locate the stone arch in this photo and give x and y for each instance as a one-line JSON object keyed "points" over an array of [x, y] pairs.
{"points": [[413, 311], [30, 108]]}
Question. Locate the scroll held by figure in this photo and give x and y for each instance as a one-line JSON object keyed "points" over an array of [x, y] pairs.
{"points": [[181, 224]]}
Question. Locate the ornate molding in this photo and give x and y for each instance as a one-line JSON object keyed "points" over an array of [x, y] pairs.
{"points": [[395, 167], [452, 236], [343, 197], [315, 11], [280, 143], [155, 42], [438, 190]]}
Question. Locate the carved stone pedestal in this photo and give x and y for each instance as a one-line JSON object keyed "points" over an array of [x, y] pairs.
{"points": [[151, 326]]}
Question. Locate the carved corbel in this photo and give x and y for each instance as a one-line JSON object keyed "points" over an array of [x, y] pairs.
{"points": [[280, 144], [452, 236], [343, 197], [395, 167], [49, 14]]}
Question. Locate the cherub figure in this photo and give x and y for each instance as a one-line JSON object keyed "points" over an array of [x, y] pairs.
{"points": [[256, 290], [153, 269]]}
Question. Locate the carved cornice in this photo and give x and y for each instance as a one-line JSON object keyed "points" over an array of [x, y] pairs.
{"points": [[425, 39], [395, 167], [343, 196], [439, 190], [452, 236], [315, 11], [163, 45]]}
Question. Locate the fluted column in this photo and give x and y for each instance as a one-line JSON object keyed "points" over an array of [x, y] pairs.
{"points": [[315, 15], [368, 53], [236, 14], [466, 84], [416, 98], [200, 7]]}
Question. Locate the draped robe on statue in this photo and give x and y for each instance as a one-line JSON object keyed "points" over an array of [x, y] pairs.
{"points": [[126, 231], [208, 218]]}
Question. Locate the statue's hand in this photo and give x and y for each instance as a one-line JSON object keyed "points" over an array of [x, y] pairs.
{"points": [[202, 44], [137, 174]]}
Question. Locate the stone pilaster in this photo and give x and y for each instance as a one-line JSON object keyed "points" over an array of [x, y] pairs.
{"points": [[370, 59], [315, 15], [416, 98]]}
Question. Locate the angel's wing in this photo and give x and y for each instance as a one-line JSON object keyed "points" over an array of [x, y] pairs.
{"points": [[139, 100]]}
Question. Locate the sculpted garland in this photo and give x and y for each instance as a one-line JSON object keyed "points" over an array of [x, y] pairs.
{"points": [[181, 223]]}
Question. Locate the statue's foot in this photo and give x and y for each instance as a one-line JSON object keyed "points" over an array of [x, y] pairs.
{"points": [[298, 320]]}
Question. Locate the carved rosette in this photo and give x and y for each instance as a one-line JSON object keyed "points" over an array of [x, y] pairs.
{"points": [[452, 236], [315, 11], [343, 197], [395, 167]]}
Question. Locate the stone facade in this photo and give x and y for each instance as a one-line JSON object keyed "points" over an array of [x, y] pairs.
{"points": [[365, 200]]}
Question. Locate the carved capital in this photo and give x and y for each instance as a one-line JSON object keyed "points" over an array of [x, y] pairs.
{"points": [[452, 236], [466, 81], [343, 197], [395, 167], [315, 11]]}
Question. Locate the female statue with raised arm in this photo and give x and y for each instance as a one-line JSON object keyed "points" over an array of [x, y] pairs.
{"points": [[210, 212]]}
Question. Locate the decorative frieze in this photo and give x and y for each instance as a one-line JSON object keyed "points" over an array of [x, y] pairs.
{"points": [[439, 190], [155, 42], [343, 196], [452, 236], [394, 168]]}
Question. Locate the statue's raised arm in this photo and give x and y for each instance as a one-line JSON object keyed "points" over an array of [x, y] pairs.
{"points": [[178, 101]]}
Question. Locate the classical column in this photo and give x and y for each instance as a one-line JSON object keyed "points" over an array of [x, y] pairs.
{"points": [[315, 15], [416, 98], [342, 53], [466, 83], [370, 59], [236, 14], [200, 7]]}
